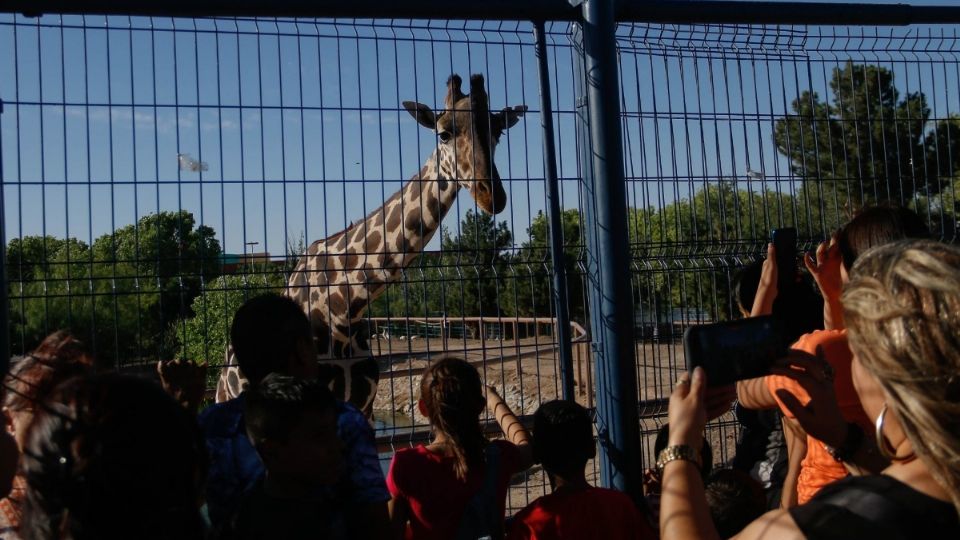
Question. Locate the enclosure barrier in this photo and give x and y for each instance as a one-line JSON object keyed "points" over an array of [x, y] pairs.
{"points": [[641, 267]]}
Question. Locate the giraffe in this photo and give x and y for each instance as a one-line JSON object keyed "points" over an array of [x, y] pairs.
{"points": [[339, 276]]}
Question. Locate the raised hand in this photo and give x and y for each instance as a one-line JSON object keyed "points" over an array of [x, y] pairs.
{"points": [[767, 288], [687, 413], [825, 266], [185, 381], [820, 416]]}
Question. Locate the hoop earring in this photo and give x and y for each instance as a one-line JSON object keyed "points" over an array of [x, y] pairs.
{"points": [[883, 445]]}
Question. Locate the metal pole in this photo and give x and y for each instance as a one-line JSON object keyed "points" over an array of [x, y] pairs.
{"points": [[4, 296], [560, 304], [617, 421]]}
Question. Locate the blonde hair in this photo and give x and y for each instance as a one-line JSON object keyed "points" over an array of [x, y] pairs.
{"points": [[902, 308]]}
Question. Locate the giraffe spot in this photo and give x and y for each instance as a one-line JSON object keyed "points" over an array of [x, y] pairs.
{"points": [[358, 236], [357, 306], [315, 296], [377, 218], [352, 259], [393, 221], [373, 241], [343, 330], [413, 221], [443, 184], [337, 303], [434, 209], [360, 276]]}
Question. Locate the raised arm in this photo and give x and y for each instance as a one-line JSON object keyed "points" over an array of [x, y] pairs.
{"points": [[511, 426], [825, 269]]}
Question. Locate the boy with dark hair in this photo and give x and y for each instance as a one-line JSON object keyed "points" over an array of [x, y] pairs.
{"points": [[292, 423], [270, 334], [735, 500], [563, 443]]}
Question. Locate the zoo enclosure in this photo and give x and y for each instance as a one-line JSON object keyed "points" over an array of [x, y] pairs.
{"points": [[659, 134]]}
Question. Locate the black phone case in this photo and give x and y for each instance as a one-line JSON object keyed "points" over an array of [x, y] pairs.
{"points": [[752, 346]]}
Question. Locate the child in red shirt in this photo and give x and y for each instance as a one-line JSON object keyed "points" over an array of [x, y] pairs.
{"points": [[437, 488], [564, 443]]}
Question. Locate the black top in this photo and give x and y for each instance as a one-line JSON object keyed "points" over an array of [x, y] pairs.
{"points": [[877, 507]]}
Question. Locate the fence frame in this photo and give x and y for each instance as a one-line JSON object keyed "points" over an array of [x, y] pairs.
{"points": [[612, 342]]}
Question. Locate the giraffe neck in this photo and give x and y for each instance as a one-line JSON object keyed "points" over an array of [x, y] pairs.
{"points": [[338, 277]]}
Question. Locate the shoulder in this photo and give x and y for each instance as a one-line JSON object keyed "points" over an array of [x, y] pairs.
{"points": [[777, 524], [820, 338], [350, 418], [222, 419]]}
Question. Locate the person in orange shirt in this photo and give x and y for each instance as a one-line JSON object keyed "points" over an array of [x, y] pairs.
{"points": [[830, 452]]}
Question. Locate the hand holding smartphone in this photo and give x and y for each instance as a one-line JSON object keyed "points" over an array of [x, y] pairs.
{"points": [[731, 351], [785, 243]]}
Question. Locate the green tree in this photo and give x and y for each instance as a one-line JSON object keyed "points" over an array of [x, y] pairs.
{"points": [[477, 259], [867, 144], [120, 294], [529, 289]]}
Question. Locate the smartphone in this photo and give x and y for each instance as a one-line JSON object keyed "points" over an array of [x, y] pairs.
{"points": [[732, 351], [785, 243]]}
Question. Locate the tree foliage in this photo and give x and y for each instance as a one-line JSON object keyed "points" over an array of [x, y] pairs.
{"points": [[119, 294]]}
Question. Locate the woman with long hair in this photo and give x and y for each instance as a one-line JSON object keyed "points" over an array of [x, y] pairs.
{"points": [[901, 307], [456, 486]]}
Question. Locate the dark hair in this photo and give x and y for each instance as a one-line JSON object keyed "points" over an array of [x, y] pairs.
{"points": [[265, 334], [877, 225], [563, 437], [273, 408], [745, 283], [706, 452], [112, 457], [735, 500], [453, 397], [59, 357]]}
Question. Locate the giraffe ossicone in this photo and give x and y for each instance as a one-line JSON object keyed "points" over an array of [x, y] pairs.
{"points": [[338, 277]]}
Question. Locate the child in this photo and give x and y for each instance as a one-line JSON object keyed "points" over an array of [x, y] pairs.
{"points": [[563, 443], [652, 476], [456, 486], [271, 334], [735, 500], [292, 423]]}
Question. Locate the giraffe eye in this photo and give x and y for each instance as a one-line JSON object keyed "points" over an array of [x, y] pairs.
{"points": [[444, 136]]}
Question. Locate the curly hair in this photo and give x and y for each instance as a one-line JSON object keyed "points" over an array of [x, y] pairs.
{"points": [[59, 357], [902, 307], [453, 396]]}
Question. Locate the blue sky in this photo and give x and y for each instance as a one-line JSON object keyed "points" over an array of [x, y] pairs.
{"points": [[302, 130]]}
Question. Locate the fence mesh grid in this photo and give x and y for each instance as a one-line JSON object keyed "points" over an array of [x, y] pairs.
{"points": [[156, 172]]}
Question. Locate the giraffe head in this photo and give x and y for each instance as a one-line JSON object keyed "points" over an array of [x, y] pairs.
{"points": [[467, 134]]}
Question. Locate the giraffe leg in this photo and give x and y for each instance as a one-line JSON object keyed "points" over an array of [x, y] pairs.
{"points": [[364, 376]]}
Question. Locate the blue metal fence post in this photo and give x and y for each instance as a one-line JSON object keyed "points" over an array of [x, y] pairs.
{"points": [[4, 296], [608, 254], [561, 307]]}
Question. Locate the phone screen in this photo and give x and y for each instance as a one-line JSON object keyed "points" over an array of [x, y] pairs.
{"points": [[785, 243], [735, 350]]}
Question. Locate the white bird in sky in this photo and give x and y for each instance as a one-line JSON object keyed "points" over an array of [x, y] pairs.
{"points": [[187, 163]]}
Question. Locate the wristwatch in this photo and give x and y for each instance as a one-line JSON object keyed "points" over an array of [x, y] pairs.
{"points": [[851, 443], [678, 451]]}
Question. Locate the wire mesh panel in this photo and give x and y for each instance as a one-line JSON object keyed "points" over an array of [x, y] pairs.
{"points": [[157, 172], [731, 131]]}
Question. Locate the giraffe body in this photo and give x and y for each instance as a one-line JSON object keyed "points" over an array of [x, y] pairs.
{"points": [[338, 277]]}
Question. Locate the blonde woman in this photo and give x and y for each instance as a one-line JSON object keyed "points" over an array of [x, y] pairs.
{"points": [[902, 309]]}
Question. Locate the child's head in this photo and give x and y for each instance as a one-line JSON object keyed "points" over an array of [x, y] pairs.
{"points": [[735, 500], [706, 452], [875, 226], [271, 334], [563, 438], [293, 425], [452, 398], [745, 283]]}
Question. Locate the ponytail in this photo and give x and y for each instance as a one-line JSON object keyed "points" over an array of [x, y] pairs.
{"points": [[453, 396]]}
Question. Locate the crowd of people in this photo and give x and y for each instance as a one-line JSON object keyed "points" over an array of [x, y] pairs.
{"points": [[854, 434]]}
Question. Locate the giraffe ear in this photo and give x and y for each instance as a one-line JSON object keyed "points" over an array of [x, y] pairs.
{"points": [[511, 115], [421, 113]]}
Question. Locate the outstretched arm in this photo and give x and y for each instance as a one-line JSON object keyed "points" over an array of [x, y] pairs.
{"points": [[511, 426]]}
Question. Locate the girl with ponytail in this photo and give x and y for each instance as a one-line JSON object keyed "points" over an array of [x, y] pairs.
{"points": [[456, 486]]}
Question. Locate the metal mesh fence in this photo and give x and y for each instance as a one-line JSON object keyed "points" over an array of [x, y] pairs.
{"points": [[156, 172]]}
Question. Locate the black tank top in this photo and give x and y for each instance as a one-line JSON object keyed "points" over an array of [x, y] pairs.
{"points": [[877, 507]]}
